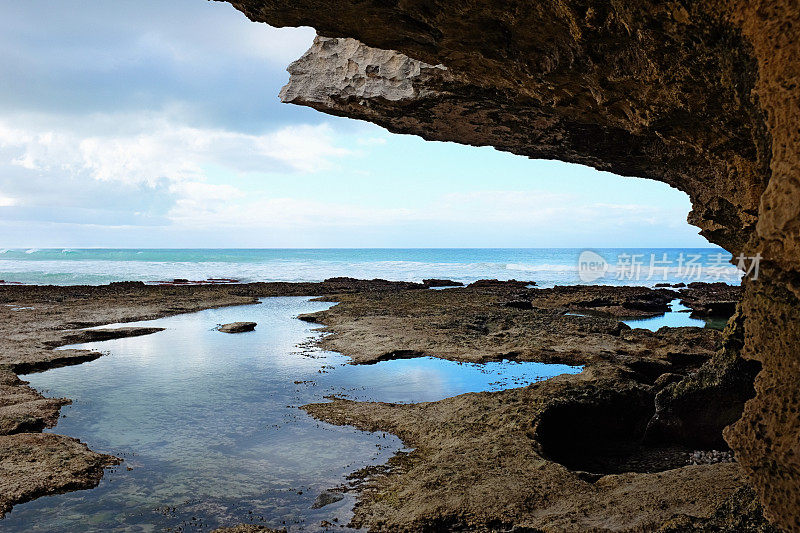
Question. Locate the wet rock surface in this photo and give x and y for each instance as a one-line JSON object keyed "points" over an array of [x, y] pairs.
{"points": [[248, 528], [38, 464], [623, 302], [441, 283], [711, 299], [477, 324], [326, 498], [707, 457], [237, 327], [22, 409]]}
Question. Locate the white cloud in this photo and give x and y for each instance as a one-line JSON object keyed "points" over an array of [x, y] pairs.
{"points": [[156, 168], [503, 207], [513, 210], [163, 149], [7, 201], [372, 141]]}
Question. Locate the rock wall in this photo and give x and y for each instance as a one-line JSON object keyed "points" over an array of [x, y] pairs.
{"points": [[702, 95]]}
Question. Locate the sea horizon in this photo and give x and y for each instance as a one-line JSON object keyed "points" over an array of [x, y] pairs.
{"points": [[544, 266]]}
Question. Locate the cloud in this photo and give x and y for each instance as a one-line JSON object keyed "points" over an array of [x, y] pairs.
{"points": [[6, 201], [503, 207], [152, 170], [148, 114], [147, 171], [372, 141], [207, 211], [82, 56], [165, 150], [516, 212]]}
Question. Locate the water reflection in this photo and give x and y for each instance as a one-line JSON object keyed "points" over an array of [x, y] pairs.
{"points": [[677, 317], [209, 426]]}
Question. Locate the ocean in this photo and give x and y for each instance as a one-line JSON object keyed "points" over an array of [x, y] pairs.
{"points": [[545, 266]]}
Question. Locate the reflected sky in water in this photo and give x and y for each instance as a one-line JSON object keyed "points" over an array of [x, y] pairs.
{"points": [[678, 317], [209, 422]]}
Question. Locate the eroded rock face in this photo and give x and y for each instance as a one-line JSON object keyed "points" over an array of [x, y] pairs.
{"points": [[701, 95], [646, 89]]}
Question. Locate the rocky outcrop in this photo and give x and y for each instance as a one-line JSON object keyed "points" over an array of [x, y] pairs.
{"points": [[622, 302], [39, 464], [237, 327], [434, 283], [477, 324], [767, 437], [490, 462], [700, 95], [105, 334], [711, 299], [22, 409], [695, 410]]}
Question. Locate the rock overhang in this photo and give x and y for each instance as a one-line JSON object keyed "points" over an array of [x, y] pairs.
{"points": [[700, 95]]}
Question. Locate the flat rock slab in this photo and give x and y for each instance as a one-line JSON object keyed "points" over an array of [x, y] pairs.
{"points": [[326, 498], [237, 327], [248, 528], [107, 334], [38, 464], [22, 408]]}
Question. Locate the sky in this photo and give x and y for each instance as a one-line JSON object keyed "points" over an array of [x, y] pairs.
{"points": [[148, 124]]}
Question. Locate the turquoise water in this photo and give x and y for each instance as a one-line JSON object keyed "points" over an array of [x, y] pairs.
{"points": [[546, 266], [210, 425]]}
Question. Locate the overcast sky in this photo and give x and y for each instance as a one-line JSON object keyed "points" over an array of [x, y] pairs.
{"points": [[144, 123]]}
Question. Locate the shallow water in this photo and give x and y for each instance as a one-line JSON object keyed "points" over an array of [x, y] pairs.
{"points": [[677, 317], [210, 425]]}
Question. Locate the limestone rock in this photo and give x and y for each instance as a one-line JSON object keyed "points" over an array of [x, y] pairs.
{"points": [[22, 409], [38, 464], [711, 299], [441, 283], [326, 498], [237, 327], [700, 95]]}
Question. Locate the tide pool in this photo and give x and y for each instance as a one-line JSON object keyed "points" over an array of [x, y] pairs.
{"points": [[210, 424]]}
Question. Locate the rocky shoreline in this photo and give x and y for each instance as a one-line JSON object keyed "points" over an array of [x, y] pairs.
{"points": [[35, 320], [573, 453], [576, 452]]}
